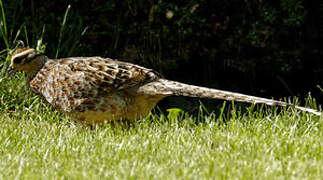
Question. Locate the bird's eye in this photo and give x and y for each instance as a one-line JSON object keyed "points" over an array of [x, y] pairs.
{"points": [[18, 60]]}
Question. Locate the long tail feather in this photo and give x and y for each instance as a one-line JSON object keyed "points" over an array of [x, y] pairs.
{"points": [[167, 87]]}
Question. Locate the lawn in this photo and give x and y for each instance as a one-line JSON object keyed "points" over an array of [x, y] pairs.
{"points": [[37, 142]]}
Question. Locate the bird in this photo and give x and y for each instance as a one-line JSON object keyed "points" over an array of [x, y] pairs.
{"points": [[95, 90]]}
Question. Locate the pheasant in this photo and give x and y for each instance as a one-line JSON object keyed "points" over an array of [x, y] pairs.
{"points": [[94, 89]]}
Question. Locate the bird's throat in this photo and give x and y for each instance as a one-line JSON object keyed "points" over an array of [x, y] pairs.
{"points": [[33, 67]]}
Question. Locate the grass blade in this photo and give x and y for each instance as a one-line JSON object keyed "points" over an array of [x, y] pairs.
{"points": [[3, 26], [62, 31]]}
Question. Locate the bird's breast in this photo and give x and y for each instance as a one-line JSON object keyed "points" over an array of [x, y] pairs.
{"points": [[116, 107]]}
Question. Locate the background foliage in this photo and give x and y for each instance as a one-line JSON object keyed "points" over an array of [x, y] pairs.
{"points": [[265, 48]]}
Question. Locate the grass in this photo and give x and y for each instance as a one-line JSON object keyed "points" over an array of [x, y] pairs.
{"points": [[37, 142]]}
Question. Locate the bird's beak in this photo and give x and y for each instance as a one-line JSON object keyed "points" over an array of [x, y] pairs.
{"points": [[10, 71]]}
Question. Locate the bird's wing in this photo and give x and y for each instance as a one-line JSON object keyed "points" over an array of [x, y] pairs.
{"points": [[112, 74], [78, 83]]}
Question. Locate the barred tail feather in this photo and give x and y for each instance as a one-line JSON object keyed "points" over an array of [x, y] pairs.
{"points": [[308, 110], [167, 88]]}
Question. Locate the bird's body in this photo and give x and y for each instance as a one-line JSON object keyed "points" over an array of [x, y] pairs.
{"points": [[95, 89]]}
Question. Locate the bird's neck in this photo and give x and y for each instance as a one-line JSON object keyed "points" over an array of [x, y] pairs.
{"points": [[35, 66]]}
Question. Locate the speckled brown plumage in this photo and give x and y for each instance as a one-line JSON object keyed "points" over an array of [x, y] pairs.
{"points": [[95, 89]]}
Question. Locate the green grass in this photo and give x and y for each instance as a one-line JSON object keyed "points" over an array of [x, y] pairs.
{"points": [[37, 142]]}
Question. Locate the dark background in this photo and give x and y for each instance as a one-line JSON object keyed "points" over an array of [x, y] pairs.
{"points": [[263, 48]]}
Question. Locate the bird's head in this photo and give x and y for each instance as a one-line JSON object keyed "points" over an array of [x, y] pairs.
{"points": [[26, 59]]}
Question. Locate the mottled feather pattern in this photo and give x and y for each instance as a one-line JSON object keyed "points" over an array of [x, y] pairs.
{"points": [[86, 84], [168, 87], [95, 90]]}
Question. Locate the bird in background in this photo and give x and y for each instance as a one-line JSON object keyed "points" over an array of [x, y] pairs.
{"points": [[94, 90]]}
